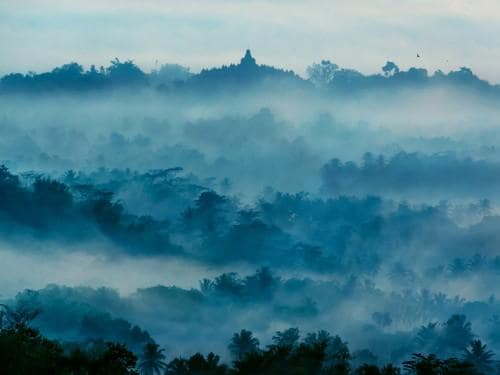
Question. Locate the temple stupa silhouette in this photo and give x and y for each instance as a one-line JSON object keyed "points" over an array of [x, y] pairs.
{"points": [[244, 74], [248, 59]]}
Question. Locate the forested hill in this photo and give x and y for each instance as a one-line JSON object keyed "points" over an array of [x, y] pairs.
{"points": [[325, 76]]}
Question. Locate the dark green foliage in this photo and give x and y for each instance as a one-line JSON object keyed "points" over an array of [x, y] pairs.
{"points": [[367, 369], [116, 359], [197, 365], [303, 359], [23, 351], [432, 365], [65, 312], [330, 355], [319, 354]]}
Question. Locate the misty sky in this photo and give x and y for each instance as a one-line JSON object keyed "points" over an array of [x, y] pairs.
{"points": [[40, 34]]}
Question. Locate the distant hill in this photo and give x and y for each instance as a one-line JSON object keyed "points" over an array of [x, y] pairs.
{"points": [[245, 74], [325, 76]]}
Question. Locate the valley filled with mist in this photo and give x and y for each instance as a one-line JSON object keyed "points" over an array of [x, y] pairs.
{"points": [[181, 208]]}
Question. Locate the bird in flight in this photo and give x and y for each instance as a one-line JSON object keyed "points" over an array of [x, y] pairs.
{"points": [[418, 55]]}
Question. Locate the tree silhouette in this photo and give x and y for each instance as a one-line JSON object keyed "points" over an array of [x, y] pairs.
{"points": [[480, 357], [427, 338], [457, 333], [289, 337], [367, 369], [125, 73], [243, 343], [178, 366], [322, 74], [390, 69], [152, 361], [321, 337], [21, 315], [432, 365], [390, 370], [337, 356], [24, 351], [116, 359], [196, 364]]}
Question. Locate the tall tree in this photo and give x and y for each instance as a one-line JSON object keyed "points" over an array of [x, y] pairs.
{"points": [[480, 357], [243, 343], [457, 334], [337, 357], [289, 337], [152, 361]]}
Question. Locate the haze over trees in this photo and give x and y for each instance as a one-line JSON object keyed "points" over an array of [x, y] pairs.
{"points": [[246, 220], [323, 75]]}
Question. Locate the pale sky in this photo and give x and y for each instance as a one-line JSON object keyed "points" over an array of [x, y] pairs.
{"points": [[362, 34]]}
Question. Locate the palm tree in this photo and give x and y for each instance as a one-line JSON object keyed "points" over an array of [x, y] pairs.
{"points": [[243, 343], [427, 338], [479, 357], [421, 364], [457, 333], [152, 362]]}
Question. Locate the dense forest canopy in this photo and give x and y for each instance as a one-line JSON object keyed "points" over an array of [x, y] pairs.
{"points": [[247, 220], [325, 75]]}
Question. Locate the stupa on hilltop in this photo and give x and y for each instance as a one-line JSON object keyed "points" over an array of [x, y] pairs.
{"points": [[248, 59]]}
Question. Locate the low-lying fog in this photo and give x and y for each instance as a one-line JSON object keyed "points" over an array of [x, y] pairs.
{"points": [[194, 213]]}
